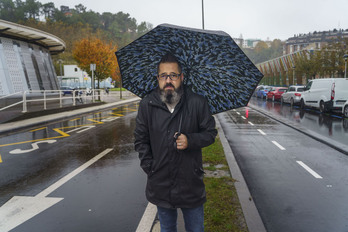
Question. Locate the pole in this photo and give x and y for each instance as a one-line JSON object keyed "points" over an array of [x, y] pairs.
{"points": [[345, 65], [203, 14]]}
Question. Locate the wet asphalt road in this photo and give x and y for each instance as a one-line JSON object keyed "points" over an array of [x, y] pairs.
{"points": [[106, 196], [297, 183], [109, 194]]}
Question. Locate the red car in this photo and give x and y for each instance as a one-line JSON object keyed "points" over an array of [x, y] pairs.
{"points": [[276, 93]]}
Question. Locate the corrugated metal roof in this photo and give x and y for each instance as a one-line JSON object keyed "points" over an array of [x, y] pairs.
{"points": [[31, 35]]}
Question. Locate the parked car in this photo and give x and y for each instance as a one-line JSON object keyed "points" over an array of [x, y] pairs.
{"points": [[257, 89], [67, 90], [262, 92], [293, 95], [276, 93], [329, 94]]}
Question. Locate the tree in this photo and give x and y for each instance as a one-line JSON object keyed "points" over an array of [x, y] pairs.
{"points": [[48, 10], [96, 51], [32, 9]]}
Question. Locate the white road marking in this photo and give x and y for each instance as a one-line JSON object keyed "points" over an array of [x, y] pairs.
{"points": [[308, 169], [72, 174], [80, 129], [19, 209], [261, 132], [278, 145], [147, 219], [251, 123], [243, 117], [34, 145], [238, 113]]}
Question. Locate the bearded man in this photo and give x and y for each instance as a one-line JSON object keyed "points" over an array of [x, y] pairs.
{"points": [[172, 126]]}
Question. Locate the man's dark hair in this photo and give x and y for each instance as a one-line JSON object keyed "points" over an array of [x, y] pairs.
{"points": [[169, 58]]}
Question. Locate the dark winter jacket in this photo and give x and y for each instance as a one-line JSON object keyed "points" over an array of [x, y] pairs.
{"points": [[175, 178]]}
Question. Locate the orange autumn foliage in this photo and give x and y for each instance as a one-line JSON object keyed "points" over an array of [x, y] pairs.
{"points": [[96, 51]]}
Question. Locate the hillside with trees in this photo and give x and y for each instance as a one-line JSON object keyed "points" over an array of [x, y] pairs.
{"points": [[73, 24], [263, 52]]}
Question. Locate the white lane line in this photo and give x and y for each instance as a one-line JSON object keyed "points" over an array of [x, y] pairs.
{"points": [[308, 169], [148, 218], [278, 145], [261, 132], [72, 174], [238, 113], [251, 123], [243, 117]]}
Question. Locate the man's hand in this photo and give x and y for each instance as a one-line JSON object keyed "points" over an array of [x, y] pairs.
{"points": [[181, 142]]}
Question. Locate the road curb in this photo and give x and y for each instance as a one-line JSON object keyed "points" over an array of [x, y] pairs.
{"points": [[251, 214]]}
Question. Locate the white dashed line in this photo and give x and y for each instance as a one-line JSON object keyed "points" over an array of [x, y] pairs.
{"points": [[243, 117], [278, 145], [308, 169], [261, 132], [238, 113], [251, 123]]}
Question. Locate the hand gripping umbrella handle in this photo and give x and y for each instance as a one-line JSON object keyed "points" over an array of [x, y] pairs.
{"points": [[178, 133]]}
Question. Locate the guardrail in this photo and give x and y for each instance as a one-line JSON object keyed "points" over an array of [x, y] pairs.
{"points": [[77, 96]]}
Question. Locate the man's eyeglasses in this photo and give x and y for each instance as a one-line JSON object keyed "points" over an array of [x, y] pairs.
{"points": [[173, 76]]}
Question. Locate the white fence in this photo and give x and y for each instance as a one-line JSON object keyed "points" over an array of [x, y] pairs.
{"points": [[65, 97]]}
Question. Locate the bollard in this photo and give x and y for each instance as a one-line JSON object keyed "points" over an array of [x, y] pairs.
{"points": [[24, 102]]}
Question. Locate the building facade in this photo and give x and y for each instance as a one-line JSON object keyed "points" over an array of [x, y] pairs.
{"points": [[313, 41], [25, 59]]}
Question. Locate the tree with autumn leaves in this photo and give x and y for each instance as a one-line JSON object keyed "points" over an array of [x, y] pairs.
{"points": [[101, 53]]}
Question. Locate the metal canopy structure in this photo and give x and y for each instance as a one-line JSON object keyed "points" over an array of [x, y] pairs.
{"points": [[32, 35]]}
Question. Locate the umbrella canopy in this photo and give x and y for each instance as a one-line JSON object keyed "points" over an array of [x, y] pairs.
{"points": [[213, 65]]}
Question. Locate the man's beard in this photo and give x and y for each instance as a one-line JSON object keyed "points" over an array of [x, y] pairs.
{"points": [[171, 96]]}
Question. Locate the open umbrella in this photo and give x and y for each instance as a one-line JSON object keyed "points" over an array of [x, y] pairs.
{"points": [[213, 65]]}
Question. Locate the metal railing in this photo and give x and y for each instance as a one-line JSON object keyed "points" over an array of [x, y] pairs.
{"points": [[80, 96]]}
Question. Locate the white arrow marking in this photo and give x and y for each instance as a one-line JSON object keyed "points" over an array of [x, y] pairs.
{"points": [[34, 145], [19, 209]]}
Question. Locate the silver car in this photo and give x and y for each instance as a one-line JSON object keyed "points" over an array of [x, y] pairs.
{"points": [[292, 95]]}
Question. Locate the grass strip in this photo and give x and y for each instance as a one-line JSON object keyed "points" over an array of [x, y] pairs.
{"points": [[222, 211]]}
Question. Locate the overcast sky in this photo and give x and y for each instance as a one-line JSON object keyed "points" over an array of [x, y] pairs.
{"points": [[262, 19]]}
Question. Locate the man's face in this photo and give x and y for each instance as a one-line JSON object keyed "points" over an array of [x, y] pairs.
{"points": [[169, 85]]}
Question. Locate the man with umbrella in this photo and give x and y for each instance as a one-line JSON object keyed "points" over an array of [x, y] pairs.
{"points": [[172, 126], [174, 119]]}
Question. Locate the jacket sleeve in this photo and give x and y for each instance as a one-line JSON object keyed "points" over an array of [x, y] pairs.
{"points": [[207, 131], [142, 138]]}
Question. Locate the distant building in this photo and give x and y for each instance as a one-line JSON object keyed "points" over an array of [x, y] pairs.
{"points": [[312, 41], [75, 77], [66, 11], [250, 43], [25, 59]]}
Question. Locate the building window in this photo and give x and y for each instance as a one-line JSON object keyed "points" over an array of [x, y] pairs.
{"points": [[76, 70]]}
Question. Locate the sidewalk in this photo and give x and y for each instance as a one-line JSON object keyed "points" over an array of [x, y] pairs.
{"points": [[149, 222]]}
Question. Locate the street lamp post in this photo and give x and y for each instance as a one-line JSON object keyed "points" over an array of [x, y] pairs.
{"points": [[203, 14], [345, 65], [294, 77]]}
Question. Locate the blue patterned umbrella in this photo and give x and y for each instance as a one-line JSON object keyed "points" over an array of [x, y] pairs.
{"points": [[213, 65]]}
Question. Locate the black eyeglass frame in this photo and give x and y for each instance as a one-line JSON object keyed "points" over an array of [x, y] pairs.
{"points": [[172, 76]]}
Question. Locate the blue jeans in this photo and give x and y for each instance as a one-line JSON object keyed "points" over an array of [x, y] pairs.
{"points": [[193, 218]]}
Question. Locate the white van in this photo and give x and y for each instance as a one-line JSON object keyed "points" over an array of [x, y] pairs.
{"points": [[329, 94]]}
